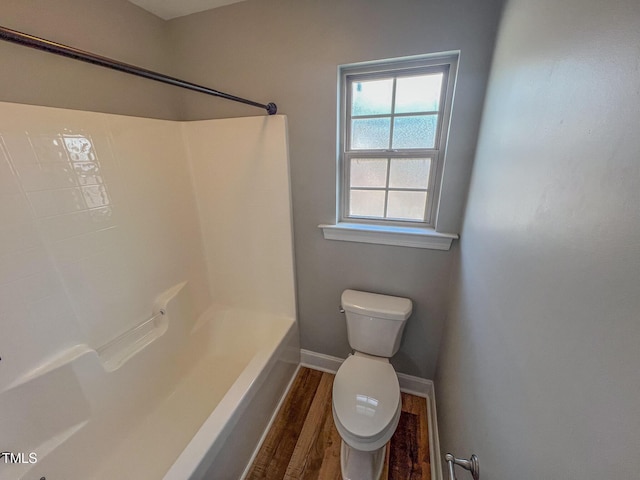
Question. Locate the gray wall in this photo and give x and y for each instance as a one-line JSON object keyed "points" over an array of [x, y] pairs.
{"points": [[539, 371], [113, 28], [288, 51]]}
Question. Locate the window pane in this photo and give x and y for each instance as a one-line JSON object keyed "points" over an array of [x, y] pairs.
{"points": [[371, 97], [407, 205], [418, 94], [415, 132], [370, 133], [368, 172], [366, 203], [409, 173]]}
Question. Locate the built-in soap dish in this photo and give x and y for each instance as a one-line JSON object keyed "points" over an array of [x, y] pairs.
{"points": [[117, 351]]}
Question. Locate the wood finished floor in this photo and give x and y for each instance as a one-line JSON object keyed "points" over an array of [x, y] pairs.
{"points": [[303, 442]]}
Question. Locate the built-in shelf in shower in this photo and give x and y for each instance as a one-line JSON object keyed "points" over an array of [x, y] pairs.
{"points": [[117, 351], [113, 354]]}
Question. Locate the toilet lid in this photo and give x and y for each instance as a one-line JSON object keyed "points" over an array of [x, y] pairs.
{"points": [[366, 395]]}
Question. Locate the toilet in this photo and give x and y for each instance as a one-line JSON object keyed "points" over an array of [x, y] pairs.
{"points": [[366, 393]]}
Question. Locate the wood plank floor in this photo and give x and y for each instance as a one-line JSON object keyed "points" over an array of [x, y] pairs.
{"points": [[303, 442]]}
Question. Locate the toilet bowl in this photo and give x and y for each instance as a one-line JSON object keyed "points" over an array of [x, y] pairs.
{"points": [[366, 401], [366, 409]]}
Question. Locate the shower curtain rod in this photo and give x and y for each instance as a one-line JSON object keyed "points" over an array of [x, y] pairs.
{"points": [[71, 52]]}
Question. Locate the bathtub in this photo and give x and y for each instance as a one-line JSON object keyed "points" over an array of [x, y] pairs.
{"points": [[175, 398]]}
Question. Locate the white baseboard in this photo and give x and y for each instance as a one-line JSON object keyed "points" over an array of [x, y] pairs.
{"points": [[320, 361], [420, 387]]}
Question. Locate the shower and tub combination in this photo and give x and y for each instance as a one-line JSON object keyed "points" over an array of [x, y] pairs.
{"points": [[147, 295]]}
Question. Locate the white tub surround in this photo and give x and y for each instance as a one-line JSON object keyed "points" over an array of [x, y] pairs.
{"points": [[147, 304], [240, 173], [97, 218]]}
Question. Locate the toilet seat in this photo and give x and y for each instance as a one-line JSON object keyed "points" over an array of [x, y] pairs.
{"points": [[366, 402]]}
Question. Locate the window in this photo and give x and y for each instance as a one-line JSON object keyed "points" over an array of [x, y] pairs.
{"points": [[394, 120]]}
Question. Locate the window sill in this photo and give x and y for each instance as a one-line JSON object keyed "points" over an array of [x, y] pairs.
{"points": [[389, 235]]}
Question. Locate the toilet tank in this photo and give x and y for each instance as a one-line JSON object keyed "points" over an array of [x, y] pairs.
{"points": [[375, 322]]}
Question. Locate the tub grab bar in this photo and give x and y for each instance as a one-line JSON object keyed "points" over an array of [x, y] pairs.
{"points": [[471, 464]]}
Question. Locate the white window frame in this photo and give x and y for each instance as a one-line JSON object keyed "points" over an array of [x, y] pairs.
{"points": [[445, 64], [385, 231]]}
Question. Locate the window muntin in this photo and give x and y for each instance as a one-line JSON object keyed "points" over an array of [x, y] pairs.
{"points": [[392, 142]]}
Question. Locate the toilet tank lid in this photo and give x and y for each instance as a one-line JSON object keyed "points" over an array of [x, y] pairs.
{"points": [[376, 305]]}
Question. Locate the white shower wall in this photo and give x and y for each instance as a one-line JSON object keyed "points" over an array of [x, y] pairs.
{"points": [[243, 191], [98, 216]]}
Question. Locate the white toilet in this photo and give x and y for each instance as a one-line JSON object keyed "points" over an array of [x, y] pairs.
{"points": [[366, 394]]}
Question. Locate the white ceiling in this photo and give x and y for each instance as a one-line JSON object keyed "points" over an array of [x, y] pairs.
{"points": [[168, 9]]}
